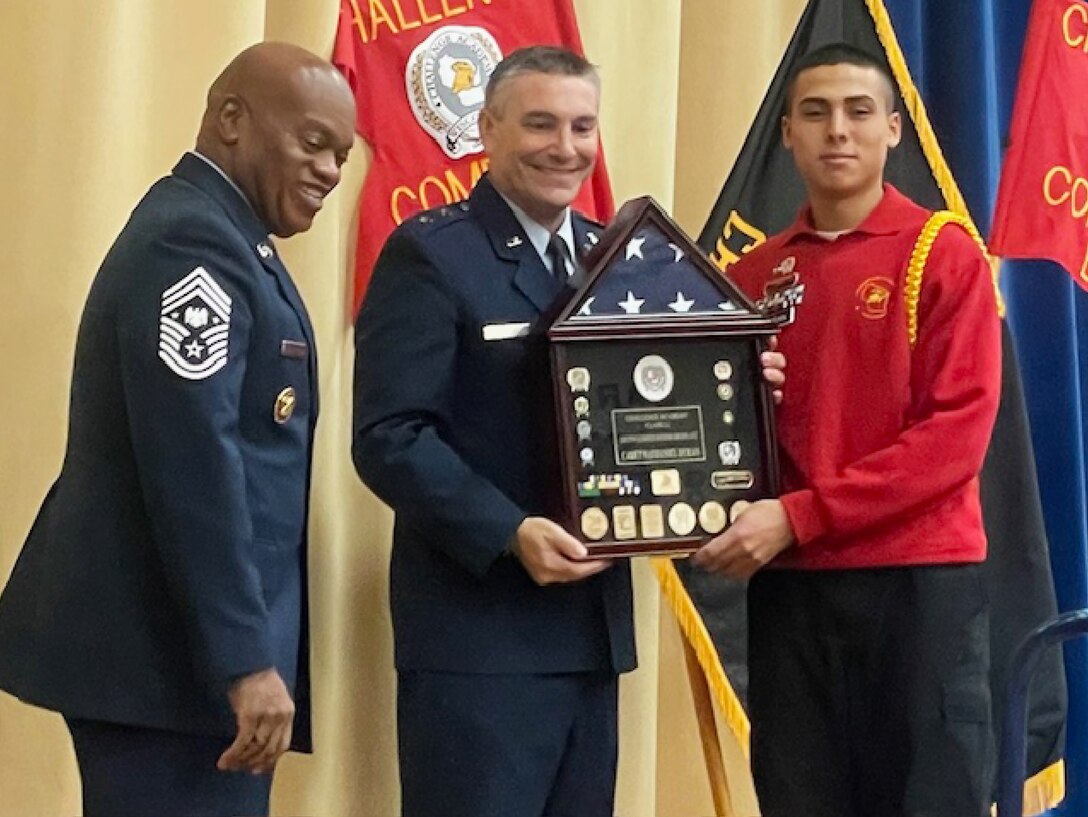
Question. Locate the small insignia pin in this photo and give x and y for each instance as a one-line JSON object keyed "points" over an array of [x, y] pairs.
{"points": [[513, 242], [578, 378], [264, 251], [729, 451], [284, 406], [787, 265]]}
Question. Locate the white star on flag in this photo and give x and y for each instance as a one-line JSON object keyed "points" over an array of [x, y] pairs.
{"points": [[679, 253], [585, 307], [634, 248], [681, 304], [633, 305], [727, 306]]}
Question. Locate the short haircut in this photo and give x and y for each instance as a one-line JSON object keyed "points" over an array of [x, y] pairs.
{"points": [[838, 54], [539, 59]]}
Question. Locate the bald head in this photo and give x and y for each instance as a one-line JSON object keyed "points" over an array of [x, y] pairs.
{"points": [[279, 122]]}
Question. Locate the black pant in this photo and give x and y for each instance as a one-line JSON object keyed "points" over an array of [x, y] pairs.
{"points": [[130, 771], [869, 692], [507, 745]]}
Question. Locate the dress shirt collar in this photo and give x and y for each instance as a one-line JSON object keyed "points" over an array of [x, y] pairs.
{"points": [[539, 235]]}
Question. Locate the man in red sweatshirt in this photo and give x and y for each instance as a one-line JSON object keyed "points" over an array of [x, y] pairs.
{"points": [[868, 627]]}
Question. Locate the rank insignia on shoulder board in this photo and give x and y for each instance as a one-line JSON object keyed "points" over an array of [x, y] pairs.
{"points": [[194, 326]]}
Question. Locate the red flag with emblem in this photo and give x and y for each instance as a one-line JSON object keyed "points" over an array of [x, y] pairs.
{"points": [[418, 69], [1042, 202]]}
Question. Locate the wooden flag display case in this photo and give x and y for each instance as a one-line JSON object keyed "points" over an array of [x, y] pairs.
{"points": [[665, 424]]}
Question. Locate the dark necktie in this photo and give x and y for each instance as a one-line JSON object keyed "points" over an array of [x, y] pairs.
{"points": [[559, 256]]}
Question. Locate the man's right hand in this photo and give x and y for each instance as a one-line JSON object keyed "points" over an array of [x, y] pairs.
{"points": [[265, 715], [551, 555]]}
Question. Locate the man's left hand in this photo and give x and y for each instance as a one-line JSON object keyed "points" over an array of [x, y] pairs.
{"points": [[759, 534]]}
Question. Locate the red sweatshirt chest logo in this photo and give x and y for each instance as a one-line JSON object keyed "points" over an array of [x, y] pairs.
{"points": [[874, 296]]}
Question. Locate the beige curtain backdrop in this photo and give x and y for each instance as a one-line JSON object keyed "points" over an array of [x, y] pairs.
{"points": [[98, 100]]}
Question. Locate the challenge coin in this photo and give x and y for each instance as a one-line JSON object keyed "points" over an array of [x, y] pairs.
{"points": [[712, 517], [682, 519], [653, 378], [594, 523]]}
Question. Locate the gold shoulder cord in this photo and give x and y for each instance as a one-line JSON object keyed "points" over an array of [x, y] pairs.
{"points": [[916, 267]]}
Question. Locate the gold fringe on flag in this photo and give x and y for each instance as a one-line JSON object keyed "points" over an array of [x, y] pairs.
{"points": [[697, 635]]}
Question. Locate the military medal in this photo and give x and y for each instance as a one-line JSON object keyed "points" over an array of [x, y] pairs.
{"points": [[653, 378], [594, 523], [652, 518], [682, 519], [623, 519], [732, 480], [723, 370], [736, 509], [284, 406], [578, 379], [665, 482], [712, 517], [729, 452]]}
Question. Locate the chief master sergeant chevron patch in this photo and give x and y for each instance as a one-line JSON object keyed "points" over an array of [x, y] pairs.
{"points": [[194, 326]]}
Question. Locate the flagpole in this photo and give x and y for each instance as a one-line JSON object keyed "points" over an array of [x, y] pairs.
{"points": [[708, 733]]}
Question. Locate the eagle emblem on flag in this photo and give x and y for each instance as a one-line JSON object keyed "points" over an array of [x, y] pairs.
{"points": [[445, 79]]}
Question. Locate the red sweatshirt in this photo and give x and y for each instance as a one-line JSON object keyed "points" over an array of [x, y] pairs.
{"points": [[881, 444]]}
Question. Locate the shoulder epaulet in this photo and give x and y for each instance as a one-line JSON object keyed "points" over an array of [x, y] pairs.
{"points": [[916, 267], [437, 216]]}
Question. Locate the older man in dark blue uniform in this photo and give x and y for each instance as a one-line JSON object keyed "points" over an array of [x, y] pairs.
{"points": [[159, 602], [508, 640]]}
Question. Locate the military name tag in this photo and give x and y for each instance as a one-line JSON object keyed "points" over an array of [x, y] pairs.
{"points": [[294, 349], [505, 331]]}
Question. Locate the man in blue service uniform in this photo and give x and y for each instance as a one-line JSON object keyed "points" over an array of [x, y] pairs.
{"points": [[159, 602], [508, 640]]}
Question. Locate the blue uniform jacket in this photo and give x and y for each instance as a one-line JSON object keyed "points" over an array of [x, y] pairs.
{"points": [[456, 432], [169, 557]]}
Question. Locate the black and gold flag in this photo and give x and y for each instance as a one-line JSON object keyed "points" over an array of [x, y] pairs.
{"points": [[761, 196]]}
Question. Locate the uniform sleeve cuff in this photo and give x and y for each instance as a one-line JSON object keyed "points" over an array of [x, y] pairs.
{"points": [[804, 516], [499, 540], [247, 654]]}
